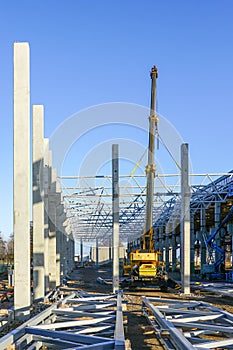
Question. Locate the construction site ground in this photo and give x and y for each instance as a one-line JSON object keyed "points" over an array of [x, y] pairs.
{"points": [[137, 329]]}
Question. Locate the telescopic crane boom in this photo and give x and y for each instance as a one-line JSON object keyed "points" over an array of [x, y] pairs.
{"points": [[147, 238]]}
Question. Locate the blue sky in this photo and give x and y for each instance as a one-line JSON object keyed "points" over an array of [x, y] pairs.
{"points": [[86, 52]]}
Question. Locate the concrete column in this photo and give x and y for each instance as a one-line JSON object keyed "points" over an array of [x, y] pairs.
{"points": [[96, 252], [185, 220], [65, 251], [58, 257], [230, 230], [46, 176], [192, 240], [60, 218], [156, 238], [71, 260], [174, 245], [160, 243], [22, 288], [68, 253], [62, 254], [115, 216], [52, 202], [167, 245], [217, 220], [73, 251], [59, 227], [203, 231], [38, 204], [110, 249], [81, 250]]}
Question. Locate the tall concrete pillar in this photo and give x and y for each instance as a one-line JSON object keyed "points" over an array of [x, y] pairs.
{"points": [[81, 251], [73, 251], [52, 202], [192, 240], [109, 249], [230, 230], [160, 244], [22, 288], [203, 232], [174, 245], [38, 203], [63, 222], [96, 252], [59, 228], [185, 220], [167, 245], [115, 216], [46, 180], [156, 238], [66, 249], [217, 220]]}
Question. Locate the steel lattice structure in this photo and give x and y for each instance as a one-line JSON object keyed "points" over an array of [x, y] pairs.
{"points": [[88, 201]]}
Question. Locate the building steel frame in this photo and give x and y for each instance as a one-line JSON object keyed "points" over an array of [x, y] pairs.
{"points": [[89, 207]]}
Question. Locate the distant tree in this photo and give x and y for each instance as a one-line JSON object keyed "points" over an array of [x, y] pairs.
{"points": [[10, 246], [2, 247]]}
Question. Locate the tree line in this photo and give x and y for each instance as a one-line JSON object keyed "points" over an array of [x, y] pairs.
{"points": [[6, 248]]}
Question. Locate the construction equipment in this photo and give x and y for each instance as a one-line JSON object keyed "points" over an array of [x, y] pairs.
{"points": [[143, 265], [213, 268]]}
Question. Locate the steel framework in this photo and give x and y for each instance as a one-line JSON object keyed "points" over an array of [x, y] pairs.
{"points": [[186, 325], [79, 321], [88, 201]]}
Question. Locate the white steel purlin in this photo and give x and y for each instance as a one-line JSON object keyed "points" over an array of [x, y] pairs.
{"points": [[79, 320], [184, 324]]}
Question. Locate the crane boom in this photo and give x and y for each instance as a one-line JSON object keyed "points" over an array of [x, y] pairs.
{"points": [[147, 238]]}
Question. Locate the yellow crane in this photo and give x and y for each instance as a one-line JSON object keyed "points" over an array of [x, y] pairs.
{"points": [[143, 264]]}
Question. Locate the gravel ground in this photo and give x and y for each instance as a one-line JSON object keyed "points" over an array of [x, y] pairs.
{"points": [[137, 329]]}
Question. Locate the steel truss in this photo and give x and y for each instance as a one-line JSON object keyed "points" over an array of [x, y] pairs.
{"points": [[79, 321], [186, 325], [88, 201]]}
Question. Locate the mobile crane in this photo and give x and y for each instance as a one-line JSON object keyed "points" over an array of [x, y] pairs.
{"points": [[143, 265]]}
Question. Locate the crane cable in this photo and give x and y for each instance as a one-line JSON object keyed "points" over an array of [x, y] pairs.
{"points": [[169, 152]]}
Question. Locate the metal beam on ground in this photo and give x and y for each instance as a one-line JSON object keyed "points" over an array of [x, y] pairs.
{"points": [[65, 324], [182, 324]]}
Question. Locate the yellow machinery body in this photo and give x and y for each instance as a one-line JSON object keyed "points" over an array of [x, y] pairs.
{"points": [[146, 264]]}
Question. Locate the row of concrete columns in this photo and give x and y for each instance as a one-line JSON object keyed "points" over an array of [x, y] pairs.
{"points": [[168, 238], [53, 243]]}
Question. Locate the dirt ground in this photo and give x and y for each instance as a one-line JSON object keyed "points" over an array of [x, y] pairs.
{"points": [[137, 329]]}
